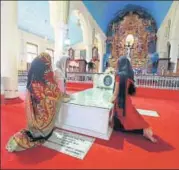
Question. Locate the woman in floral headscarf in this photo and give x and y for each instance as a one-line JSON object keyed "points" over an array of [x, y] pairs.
{"points": [[42, 104]]}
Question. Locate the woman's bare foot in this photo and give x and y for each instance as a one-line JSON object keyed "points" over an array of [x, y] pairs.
{"points": [[149, 135]]}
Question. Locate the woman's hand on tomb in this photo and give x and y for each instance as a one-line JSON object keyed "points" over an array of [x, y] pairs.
{"points": [[112, 100], [66, 97]]}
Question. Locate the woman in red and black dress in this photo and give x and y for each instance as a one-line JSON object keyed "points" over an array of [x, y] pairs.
{"points": [[126, 118]]}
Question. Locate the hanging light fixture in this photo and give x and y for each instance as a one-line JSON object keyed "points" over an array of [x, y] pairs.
{"points": [[67, 39]]}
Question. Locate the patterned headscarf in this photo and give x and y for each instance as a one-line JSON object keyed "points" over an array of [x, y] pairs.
{"points": [[42, 106], [41, 77]]}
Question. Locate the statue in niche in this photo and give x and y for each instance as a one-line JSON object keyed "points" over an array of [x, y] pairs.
{"points": [[71, 54], [95, 59], [95, 53]]}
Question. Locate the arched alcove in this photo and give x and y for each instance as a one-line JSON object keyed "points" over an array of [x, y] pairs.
{"points": [[82, 24], [79, 47], [136, 21]]}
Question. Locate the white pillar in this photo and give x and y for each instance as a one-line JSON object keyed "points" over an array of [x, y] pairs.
{"points": [[101, 50], [174, 39], [59, 14], [9, 48], [89, 52], [101, 54], [101, 64], [174, 52], [59, 31]]}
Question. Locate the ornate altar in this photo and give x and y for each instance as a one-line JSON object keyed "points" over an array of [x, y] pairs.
{"points": [[137, 22], [71, 53]]}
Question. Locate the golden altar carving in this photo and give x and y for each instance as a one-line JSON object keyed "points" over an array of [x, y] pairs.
{"points": [[137, 26]]}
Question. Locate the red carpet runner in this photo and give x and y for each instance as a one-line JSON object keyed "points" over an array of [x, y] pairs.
{"points": [[122, 151]]}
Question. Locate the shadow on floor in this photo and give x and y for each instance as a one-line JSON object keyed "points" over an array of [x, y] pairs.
{"points": [[117, 142], [36, 155]]}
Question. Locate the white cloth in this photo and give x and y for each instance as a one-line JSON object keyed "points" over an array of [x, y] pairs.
{"points": [[61, 66]]}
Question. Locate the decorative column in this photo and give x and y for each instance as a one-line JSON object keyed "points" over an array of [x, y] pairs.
{"points": [[174, 38], [59, 14], [60, 31], [174, 52], [100, 60], [89, 52], [9, 50], [101, 50]]}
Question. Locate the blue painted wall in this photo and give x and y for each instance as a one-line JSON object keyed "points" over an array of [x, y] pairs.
{"points": [[33, 17], [104, 11]]}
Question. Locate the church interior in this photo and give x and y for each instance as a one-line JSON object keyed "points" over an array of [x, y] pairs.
{"points": [[94, 35]]}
